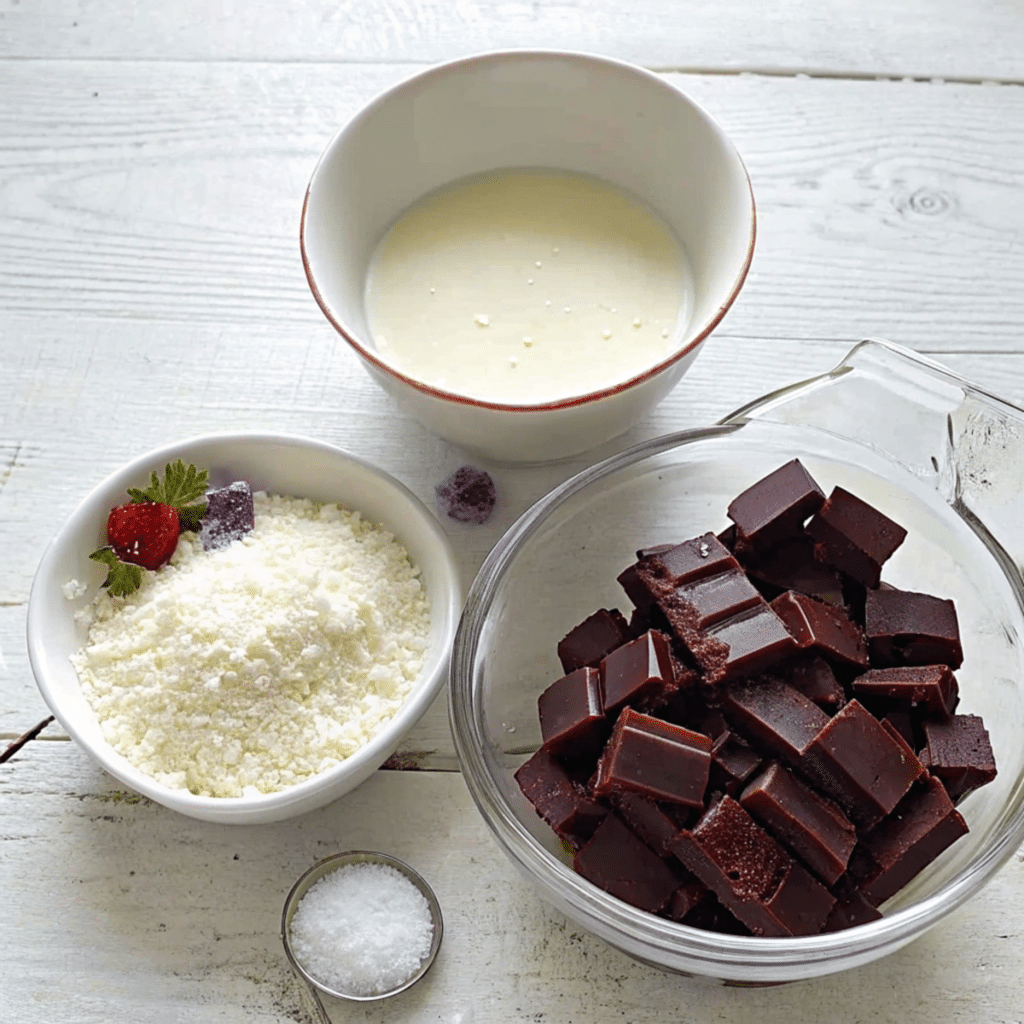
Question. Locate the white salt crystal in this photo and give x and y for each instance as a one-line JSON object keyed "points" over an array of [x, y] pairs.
{"points": [[363, 929]]}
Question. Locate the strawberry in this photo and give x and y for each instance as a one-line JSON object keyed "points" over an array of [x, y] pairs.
{"points": [[144, 532]]}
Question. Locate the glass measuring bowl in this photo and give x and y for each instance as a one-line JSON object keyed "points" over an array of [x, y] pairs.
{"points": [[933, 451]]}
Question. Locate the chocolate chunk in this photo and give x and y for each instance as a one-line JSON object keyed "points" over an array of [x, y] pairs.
{"points": [[813, 828], [814, 678], [733, 763], [821, 629], [619, 862], [689, 561], [705, 602], [775, 506], [640, 673], [860, 765], [773, 716], [905, 628], [561, 801], [959, 753], [229, 515], [710, 915], [923, 825], [851, 908], [658, 571], [751, 873], [572, 718], [647, 818], [467, 496], [741, 645], [902, 722], [597, 635], [931, 688], [685, 899], [854, 536], [657, 759], [791, 565]]}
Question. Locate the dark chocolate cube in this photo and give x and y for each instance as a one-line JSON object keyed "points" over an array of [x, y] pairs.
{"points": [[791, 565], [597, 635], [813, 828], [691, 560], [822, 629], [923, 825], [752, 641], [773, 716], [854, 536], [751, 873], [814, 678], [711, 599], [655, 758], [685, 899], [851, 908], [640, 672], [775, 506], [572, 719], [658, 571], [561, 801], [959, 753], [931, 689], [733, 763], [616, 860], [906, 628], [229, 515], [859, 764], [647, 818]]}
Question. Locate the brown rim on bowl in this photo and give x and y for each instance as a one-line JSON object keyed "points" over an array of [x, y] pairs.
{"points": [[563, 403]]}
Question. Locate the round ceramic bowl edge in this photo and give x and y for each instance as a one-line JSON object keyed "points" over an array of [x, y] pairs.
{"points": [[445, 595]]}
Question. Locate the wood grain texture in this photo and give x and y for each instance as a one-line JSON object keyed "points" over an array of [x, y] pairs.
{"points": [[152, 917], [171, 192], [921, 38], [153, 158]]}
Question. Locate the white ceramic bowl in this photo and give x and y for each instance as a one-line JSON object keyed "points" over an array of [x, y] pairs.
{"points": [[565, 111], [277, 463]]}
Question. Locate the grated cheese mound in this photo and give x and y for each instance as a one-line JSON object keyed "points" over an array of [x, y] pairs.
{"points": [[251, 668]]}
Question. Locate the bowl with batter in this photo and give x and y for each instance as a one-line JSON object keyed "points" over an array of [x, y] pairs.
{"points": [[526, 249], [262, 676]]}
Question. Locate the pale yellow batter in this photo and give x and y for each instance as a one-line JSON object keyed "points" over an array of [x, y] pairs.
{"points": [[527, 286]]}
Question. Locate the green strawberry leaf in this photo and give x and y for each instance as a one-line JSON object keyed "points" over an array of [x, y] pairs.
{"points": [[180, 487], [123, 578]]}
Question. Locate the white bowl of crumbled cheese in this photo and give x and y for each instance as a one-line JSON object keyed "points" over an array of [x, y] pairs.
{"points": [[260, 678]]}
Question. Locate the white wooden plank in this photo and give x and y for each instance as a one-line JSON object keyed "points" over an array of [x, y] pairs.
{"points": [[172, 192], [115, 909], [80, 397], [923, 38]]}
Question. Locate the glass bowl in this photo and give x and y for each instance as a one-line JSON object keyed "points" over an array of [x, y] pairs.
{"points": [[930, 450]]}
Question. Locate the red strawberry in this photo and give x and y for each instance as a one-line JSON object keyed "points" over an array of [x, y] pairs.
{"points": [[144, 532]]}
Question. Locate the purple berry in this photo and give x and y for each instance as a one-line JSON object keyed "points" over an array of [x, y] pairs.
{"points": [[229, 515], [467, 496]]}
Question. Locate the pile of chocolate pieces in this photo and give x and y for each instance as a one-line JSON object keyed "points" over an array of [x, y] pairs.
{"points": [[769, 745]]}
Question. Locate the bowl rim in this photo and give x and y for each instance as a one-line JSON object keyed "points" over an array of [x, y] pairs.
{"points": [[440, 70], [241, 808], [738, 958]]}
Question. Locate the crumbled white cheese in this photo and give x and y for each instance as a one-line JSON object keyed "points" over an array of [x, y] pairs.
{"points": [[73, 589], [254, 667]]}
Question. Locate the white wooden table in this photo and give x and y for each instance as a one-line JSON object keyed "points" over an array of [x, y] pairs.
{"points": [[153, 157]]}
